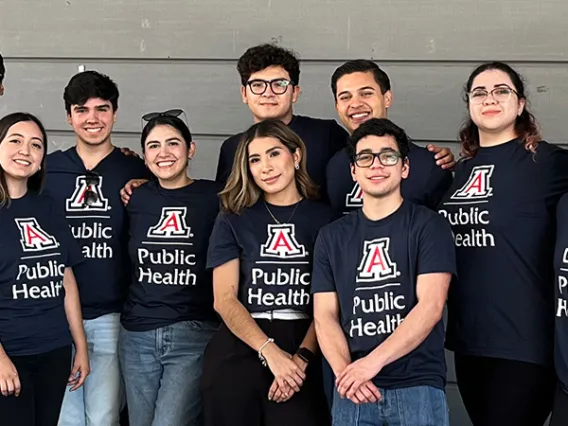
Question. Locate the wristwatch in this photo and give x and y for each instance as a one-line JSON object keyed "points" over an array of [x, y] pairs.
{"points": [[305, 355]]}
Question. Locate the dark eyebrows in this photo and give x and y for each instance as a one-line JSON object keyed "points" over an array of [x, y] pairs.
{"points": [[22, 136], [496, 85]]}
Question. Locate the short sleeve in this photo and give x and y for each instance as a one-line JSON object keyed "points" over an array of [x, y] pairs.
{"points": [[322, 274], [223, 245], [436, 250]]}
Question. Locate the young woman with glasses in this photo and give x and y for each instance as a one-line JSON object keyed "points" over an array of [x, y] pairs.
{"points": [[262, 367], [168, 317], [501, 208], [40, 313]]}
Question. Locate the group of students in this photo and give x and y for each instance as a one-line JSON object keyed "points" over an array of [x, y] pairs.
{"points": [[306, 285]]}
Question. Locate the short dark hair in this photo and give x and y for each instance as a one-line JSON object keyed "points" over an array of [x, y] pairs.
{"points": [[37, 180], [263, 56], [166, 120], [2, 69], [380, 127], [87, 85], [361, 65]]}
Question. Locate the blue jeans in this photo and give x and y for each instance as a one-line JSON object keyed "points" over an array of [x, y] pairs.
{"points": [[162, 373], [415, 406], [99, 401]]}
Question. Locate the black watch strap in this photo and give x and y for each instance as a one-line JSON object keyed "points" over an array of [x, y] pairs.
{"points": [[305, 354]]}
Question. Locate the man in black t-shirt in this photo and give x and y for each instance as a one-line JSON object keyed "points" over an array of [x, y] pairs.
{"points": [[363, 91], [270, 77], [380, 281], [85, 180]]}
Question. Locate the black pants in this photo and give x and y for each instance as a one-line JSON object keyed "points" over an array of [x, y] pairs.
{"points": [[498, 392], [43, 378], [235, 384], [560, 408]]}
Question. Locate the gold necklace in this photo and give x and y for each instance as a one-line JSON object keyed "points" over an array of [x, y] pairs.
{"points": [[290, 218]]}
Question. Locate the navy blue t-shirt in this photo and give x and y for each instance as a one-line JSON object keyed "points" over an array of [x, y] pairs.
{"points": [[101, 227], [322, 138], [501, 207], [35, 248], [426, 183], [373, 267], [561, 311], [275, 259], [169, 236]]}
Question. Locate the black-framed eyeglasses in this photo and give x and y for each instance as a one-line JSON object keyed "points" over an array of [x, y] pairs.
{"points": [[278, 86], [500, 94], [90, 197], [386, 158]]}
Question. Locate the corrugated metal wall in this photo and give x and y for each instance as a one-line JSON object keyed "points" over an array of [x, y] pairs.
{"points": [[182, 53]]}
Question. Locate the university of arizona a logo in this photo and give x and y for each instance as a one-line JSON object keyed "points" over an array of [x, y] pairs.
{"points": [[97, 201], [355, 197], [33, 237], [282, 243], [172, 224], [376, 264], [478, 185]]}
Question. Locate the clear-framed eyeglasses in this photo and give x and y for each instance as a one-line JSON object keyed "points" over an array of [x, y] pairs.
{"points": [[499, 94]]}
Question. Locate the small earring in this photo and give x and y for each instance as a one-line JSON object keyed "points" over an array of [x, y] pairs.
{"points": [[297, 166]]}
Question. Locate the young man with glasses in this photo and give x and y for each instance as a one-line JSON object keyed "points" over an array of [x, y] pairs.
{"points": [[270, 77], [362, 91], [380, 281], [86, 180]]}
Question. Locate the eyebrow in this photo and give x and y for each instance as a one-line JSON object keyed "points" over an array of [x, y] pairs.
{"points": [[268, 151], [167, 140], [496, 85], [370, 151], [76, 107], [357, 90], [22, 136]]}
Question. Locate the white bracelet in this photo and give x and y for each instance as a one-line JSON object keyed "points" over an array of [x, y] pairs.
{"points": [[260, 356]]}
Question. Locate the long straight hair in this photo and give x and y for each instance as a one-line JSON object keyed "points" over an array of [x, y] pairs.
{"points": [[526, 126], [37, 180], [241, 191]]}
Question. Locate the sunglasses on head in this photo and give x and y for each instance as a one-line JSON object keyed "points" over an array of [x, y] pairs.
{"points": [[169, 113], [90, 197]]}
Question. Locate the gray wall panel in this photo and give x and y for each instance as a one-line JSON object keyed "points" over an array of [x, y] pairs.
{"points": [[323, 29], [427, 97]]}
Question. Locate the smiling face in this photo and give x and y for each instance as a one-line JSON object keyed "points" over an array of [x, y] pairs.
{"points": [[492, 115], [272, 165], [22, 150], [93, 121], [270, 105], [359, 98], [166, 154], [377, 180]]}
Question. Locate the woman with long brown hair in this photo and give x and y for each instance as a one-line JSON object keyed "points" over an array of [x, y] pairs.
{"points": [[262, 367], [501, 209]]}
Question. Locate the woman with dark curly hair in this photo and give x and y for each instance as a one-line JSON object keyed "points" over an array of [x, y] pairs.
{"points": [[501, 208]]}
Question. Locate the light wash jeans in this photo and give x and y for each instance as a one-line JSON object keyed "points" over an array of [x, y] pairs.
{"points": [[162, 373], [99, 401], [414, 406]]}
